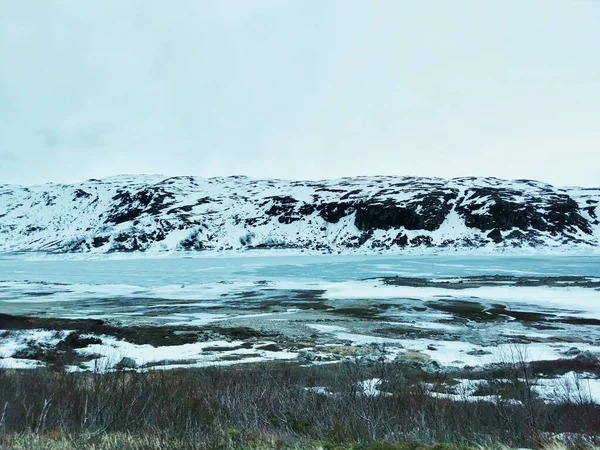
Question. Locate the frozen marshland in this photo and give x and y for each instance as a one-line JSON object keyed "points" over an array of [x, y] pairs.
{"points": [[438, 313]]}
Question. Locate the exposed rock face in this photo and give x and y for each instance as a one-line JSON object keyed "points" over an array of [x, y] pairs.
{"points": [[424, 212], [152, 213], [508, 209]]}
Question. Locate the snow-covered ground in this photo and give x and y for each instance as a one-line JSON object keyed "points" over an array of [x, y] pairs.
{"points": [[362, 215], [572, 387]]}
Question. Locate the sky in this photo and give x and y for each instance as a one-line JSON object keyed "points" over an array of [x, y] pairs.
{"points": [[302, 89]]}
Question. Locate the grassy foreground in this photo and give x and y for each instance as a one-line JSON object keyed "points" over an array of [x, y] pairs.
{"points": [[122, 441], [277, 406]]}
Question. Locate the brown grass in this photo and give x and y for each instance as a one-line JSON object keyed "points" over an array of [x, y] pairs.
{"points": [[266, 405]]}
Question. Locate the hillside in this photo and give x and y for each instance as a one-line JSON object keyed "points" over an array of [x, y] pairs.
{"points": [[366, 214]]}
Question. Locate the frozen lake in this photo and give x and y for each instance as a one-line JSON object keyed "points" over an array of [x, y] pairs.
{"points": [[155, 272], [456, 310]]}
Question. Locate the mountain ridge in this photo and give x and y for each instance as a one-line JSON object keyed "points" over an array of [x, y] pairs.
{"points": [[154, 213]]}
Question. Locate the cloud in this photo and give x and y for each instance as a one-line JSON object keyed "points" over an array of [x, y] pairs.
{"points": [[77, 136], [300, 89], [50, 138], [8, 157]]}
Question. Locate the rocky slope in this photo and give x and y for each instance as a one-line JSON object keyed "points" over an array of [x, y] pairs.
{"points": [[154, 213]]}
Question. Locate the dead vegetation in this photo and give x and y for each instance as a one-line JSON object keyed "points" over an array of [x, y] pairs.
{"points": [[279, 406]]}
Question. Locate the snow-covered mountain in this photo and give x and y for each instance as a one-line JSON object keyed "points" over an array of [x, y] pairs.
{"points": [[155, 213]]}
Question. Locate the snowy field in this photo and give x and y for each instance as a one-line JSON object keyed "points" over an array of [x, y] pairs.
{"points": [[441, 311]]}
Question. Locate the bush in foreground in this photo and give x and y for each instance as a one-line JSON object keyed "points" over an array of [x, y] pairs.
{"points": [[269, 406]]}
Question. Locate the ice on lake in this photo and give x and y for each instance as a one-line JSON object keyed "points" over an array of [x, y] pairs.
{"points": [[456, 310]]}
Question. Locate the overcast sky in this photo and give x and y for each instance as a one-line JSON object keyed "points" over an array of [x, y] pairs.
{"points": [[300, 89]]}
